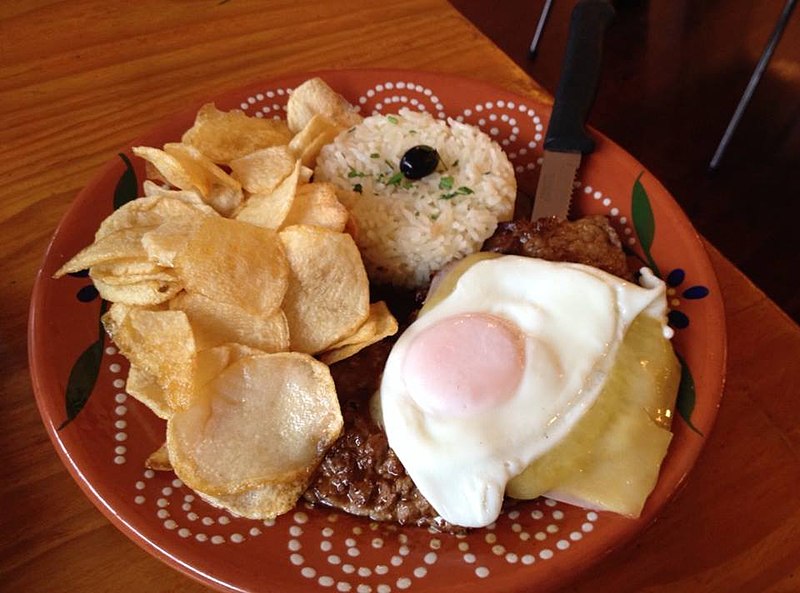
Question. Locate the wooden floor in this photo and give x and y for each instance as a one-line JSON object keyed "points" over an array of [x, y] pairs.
{"points": [[673, 73]]}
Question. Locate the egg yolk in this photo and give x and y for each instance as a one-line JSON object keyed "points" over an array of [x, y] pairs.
{"points": [[464, 363]]}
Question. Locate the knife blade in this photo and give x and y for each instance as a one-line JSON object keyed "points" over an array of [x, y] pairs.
{"points": [[566, 140]]}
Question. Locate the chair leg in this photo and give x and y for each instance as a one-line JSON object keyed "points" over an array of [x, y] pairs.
{"points": [[755, 78], [539, 28]]}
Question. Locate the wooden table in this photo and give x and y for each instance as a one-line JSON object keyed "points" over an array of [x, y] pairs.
{"points": [[79, 79]]}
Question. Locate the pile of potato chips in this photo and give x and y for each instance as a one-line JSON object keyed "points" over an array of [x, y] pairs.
{"points": [[234, 282]]}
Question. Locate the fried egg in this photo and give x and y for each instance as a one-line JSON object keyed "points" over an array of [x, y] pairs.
{"points": [[496, 371]]}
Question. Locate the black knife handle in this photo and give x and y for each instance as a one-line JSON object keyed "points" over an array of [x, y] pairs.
{"points": [[579, 74]]}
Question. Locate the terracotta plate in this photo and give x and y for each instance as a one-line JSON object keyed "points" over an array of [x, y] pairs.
{"points": [[536, 547]]}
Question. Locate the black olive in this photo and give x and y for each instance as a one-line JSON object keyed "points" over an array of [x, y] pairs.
{"points": [[419, 161]]}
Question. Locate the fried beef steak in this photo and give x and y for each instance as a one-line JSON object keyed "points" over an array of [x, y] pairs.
{"points": [[590, 240]]}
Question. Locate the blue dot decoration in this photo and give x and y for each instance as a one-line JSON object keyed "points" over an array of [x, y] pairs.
{"points": [[675, 277], [677, 320], [695, 292]]}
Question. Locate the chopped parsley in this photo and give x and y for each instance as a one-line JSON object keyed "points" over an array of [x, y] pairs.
{"points": [[446, 182], [375, 155], [435, 215], [407, 184], [395, 179], [358, 188], [461, 191], [392, 119], [391, 166], [353, 173]]}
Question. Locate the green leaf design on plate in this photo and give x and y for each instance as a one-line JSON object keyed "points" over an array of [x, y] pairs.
{"points": [[643, 221], [686, 395], [128, 186], [83, 376]]}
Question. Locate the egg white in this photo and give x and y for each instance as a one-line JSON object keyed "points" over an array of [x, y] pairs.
{"points": [[573, 318]]}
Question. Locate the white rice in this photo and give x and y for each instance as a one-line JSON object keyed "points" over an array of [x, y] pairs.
{"points": [[408, 229]]}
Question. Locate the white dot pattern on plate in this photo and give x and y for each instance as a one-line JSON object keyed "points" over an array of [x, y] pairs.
{"points": [[403, 566], [330, 552], [115, 367], [173, 503], [338, 556], [389, 97], [274, 103]]}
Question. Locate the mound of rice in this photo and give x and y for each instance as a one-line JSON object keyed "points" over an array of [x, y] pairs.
{"points": [[407, 229]]}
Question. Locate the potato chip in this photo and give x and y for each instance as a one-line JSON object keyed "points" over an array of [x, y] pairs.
{"points": [[315, 96], [203, 304], [144, 293], [237, 263], [152, 189], [265, 419], [159, 460], [144, 387], [130, 272], [114, 318], [122, 245], [270, 210], [186, 168], [319, 131], [212, 361], [316, 204], [223, 136], [118, 274], [152, 172], [380, 324], [262, 503], [215, 323], [151, 212], [163, 243], [260, 172], [218, 189], [134, 242], [130, 268], [159, 343], [351, 228], [127, 272], [171, 170], [328, 294]]}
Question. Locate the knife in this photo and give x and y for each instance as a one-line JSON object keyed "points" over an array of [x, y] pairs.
{"points": [[566, 139]]}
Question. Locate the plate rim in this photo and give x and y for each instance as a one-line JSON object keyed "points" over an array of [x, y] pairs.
{"points": [[87, 191]]}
